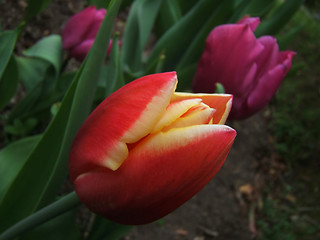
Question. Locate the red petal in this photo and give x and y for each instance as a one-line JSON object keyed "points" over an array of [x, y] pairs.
{"points": [[124, 117], [160, 174]]}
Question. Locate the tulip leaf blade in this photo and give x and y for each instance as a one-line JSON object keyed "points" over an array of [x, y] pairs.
{"points": [[8, 82], [221, 14], [169, 14], [105, 229], [114, 73], [8, 72], [279, 18], [12, 158], [137, 31], [49, 159], [99, 3], [31, 71], [35, 7], [260, 8], [52, 54], [187, 27], [7, 42]]}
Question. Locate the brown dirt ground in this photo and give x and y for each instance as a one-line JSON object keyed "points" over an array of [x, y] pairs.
{"points": [[221, 210]]}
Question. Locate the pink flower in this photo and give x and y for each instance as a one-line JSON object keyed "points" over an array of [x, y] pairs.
{"points": [[146, 149], [250, 68], [80, 31]]}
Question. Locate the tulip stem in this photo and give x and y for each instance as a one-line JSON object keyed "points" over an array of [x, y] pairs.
{"points": [[59, 207]]}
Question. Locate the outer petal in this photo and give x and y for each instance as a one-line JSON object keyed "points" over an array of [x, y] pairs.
{"points": [[269, 57], [76, 28], [269, 83], [229, 54], [80, 51], [220, 102], [96, 23], [173, 166], [253, 22], [124, 117]]}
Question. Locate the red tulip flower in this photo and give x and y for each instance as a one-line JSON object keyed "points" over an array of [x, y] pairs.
{"points": [[250, 68], [80, 31], [145, 150]]}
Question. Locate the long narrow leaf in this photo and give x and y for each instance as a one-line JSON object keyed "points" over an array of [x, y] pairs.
{"points": [[105, 229], [8, 83], [114, 78], [12, 158], [221, 15], [169, 14], [280, 17], [138, 28], [46, 168], [35, 7], [178, 38], [7, 42]]}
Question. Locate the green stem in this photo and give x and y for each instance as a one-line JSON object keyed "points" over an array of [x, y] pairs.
{"points": [[59, 207]]}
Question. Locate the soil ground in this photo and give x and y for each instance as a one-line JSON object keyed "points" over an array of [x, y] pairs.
{"points": [[223, 208]]}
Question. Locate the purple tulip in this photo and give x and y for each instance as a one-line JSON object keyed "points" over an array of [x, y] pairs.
{"points": [[80, 31], [250, 68]]}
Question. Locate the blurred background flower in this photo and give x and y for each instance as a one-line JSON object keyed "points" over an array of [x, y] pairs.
{"points": [[250, 68], [80, 31]]}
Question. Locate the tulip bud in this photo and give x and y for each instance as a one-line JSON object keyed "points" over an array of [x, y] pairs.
{"points": [[146, 149], [80, 31], [250, 68]]}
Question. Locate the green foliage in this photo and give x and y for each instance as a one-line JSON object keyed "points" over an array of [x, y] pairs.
{"points": [[103, 229], [8, 67], [35, 7], [276, 223], [295, 126], [296, 112]]}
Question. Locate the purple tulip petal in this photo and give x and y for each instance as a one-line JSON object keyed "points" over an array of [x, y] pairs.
{"points": [[76, 28], [253, 22], [223, 60], [251, 69], [80, 51], [270, 82]]}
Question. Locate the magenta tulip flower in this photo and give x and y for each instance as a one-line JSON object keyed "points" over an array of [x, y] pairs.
{"points": [[250, 68], [80, 31], [146, 149]]}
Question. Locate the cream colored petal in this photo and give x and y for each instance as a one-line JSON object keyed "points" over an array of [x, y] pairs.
{"points": [[174, 111]]}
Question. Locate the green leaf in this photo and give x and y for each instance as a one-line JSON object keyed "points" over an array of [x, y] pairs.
{"points": [[35, 7], [46, 168], [137, 31], [169, 14], [286, 38], [8, 83], [259, 8], [49, 49], [114, 76], [221, 15], [38, 99], [178, 38], [7, 42], [185, 77], [18, 129], [12, 159], [186, 6], [103, 229], [280, 17], [31, 71]]}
